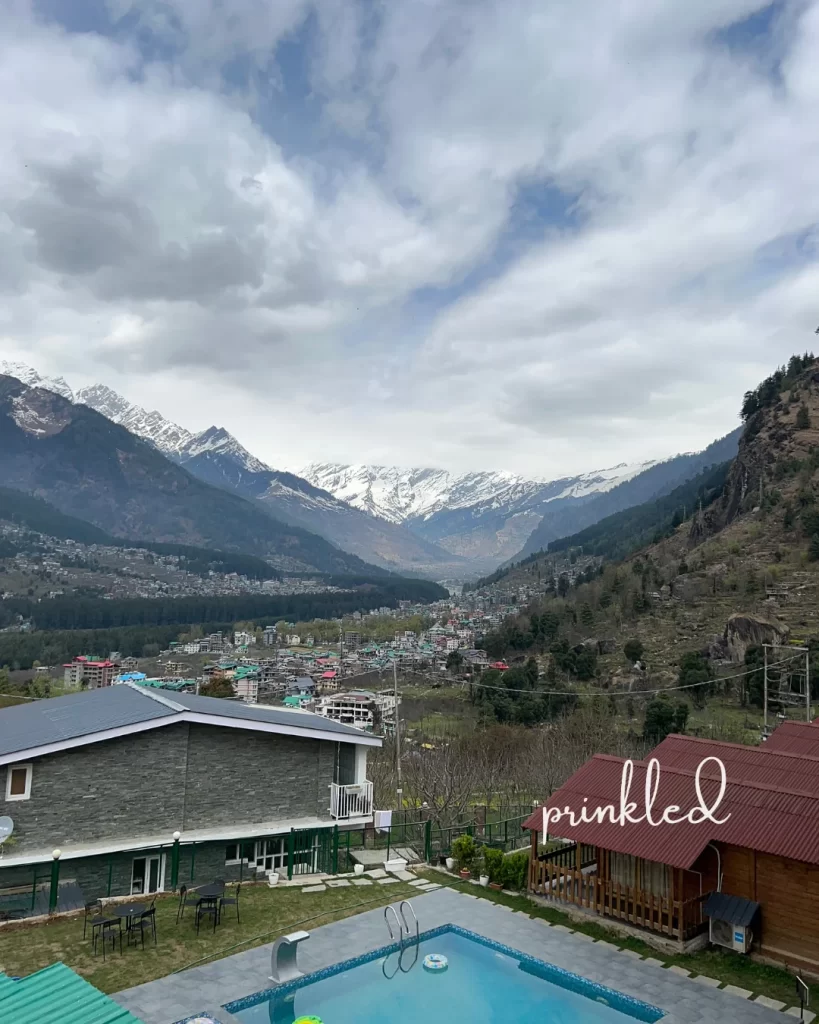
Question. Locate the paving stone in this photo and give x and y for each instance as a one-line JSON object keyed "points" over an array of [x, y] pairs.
{"points": [[419, 881], [523, 913], [735, 990], [430, 888], [654, 961], [793, 1011], [405, 876], [772, 1004], [388, 881], [583, 936], [631, 953], [338, 883], [703, 979], [376, 873], [562, 928], [680, 970], [363, 881], [607, 945], [315, 888], [508, 892], [543, 921]]}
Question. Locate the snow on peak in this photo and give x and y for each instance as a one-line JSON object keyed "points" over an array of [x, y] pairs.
{"points": [[168, 437], [31, 378], [218, 441]]}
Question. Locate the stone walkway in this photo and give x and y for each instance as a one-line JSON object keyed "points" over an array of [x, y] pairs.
{"points": [[686, 1000]]}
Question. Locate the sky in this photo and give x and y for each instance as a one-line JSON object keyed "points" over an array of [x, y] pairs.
{"points": [[542, 236]]}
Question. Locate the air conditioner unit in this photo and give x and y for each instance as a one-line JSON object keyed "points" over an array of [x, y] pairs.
{"points": [[732, 936]]}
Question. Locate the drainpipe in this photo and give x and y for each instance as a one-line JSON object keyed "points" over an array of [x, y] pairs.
{"points": [[719, 867], [55, 881]]}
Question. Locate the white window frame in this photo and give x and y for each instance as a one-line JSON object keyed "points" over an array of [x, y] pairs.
{"points": [[29, 770]]}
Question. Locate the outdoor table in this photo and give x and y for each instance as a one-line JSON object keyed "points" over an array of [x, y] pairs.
{"points": [[129, 911], [211, 893]]}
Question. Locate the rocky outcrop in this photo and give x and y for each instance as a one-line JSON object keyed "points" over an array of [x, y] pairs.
{"points": [[744, 630]]}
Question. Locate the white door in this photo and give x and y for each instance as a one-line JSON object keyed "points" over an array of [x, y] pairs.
{"points": [[148, 874]]}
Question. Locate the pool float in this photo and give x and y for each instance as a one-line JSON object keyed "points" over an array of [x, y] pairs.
{"points": [[307, 1020], [435, 962]]}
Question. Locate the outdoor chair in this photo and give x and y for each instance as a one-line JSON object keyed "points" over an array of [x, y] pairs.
{"points": [[205, 908], [95, 916], [231, 901], [187, 898], [147, 919], [108, 929]]}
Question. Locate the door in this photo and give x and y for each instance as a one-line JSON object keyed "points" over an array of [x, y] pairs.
{"points": [[270, 854], [148, 874]]}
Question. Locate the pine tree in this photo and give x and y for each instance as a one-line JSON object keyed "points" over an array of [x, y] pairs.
{"points": [[803, 418]]}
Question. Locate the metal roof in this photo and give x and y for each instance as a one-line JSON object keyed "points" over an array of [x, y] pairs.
{"points": [[733, 909], [769, 819], [770, 766], [57, 993], [796, 737], [48, 722], [41, 722]]}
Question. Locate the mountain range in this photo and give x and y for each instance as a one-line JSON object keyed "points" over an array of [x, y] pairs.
{"points": [[425, 521]]}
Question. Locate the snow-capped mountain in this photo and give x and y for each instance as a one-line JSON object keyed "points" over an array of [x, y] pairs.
{"points": [[406, 495], [217, 458]]}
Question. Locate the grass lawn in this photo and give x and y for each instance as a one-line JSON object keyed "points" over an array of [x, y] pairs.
{"points": [[266, 914], [732, 969]]}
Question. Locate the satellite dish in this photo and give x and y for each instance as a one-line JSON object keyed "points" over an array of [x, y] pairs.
{"points": [[6, 828]]}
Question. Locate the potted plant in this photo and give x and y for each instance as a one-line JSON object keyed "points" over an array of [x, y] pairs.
{"points": [[463, 849], [483, 877]]}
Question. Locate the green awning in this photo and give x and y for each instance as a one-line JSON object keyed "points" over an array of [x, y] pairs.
{"points": [[58, 994]]}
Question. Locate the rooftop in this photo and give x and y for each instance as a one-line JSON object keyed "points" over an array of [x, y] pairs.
{"points": [[56, 723]]}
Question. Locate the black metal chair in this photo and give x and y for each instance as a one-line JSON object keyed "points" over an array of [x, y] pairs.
{"points": [[187, 898], [108, 929], [147, 919], [95, 916], [207, 906], [231, 901]]}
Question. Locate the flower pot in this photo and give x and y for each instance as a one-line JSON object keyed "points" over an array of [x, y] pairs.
{"points": [[484, 880], [273, 878], [496, 886], [450, 863], [465, 873], [359, 869]]}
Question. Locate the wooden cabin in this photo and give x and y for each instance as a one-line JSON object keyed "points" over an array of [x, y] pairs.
{"points": [[764, 851]]}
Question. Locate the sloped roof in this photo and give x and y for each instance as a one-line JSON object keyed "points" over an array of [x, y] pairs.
{"points": [[796, 737], [769, 819], [58, 994], [43, 726]]}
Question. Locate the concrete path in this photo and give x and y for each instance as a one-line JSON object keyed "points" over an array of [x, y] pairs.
{"points": [[207, 988]]}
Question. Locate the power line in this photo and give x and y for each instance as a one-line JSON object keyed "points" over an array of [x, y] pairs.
{"points": [[630, 693]]}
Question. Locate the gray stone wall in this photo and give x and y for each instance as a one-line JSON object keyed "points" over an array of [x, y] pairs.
{"points": [[239, 777], [117, 789]]}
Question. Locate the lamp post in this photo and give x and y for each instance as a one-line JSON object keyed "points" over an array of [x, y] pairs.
{"points": [[55, 880], [175, 860]]}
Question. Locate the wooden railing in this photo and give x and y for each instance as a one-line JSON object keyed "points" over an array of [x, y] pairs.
{"points": [[679, 919]]}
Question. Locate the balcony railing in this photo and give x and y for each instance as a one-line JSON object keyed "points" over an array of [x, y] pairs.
{"points": [[355, 801]]}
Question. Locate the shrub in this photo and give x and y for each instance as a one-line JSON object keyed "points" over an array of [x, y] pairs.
{"points": [[515, 870], [463, 850], [493, 862]]}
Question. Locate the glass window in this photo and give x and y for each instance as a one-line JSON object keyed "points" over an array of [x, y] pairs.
{"points": [[18, 782]]}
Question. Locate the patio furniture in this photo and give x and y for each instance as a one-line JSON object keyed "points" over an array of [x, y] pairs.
{"points": [[129, 912], [187, 897], [95, 915], [109, 929], [209, 906], [231, 901]]}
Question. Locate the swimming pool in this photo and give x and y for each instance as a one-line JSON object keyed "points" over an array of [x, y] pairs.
{"points": [[485, 983]]}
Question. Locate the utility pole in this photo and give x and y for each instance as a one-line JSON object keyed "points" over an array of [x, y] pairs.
{"points": [[765, 692], [397, 733], [785, 696]]}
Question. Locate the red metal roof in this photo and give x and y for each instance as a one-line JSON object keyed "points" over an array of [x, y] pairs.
{"points": [[796, 737], [779, 768], [761, 817]]}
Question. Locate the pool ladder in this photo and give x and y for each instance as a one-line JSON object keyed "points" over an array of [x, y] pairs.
{"points": [[404, 939]]}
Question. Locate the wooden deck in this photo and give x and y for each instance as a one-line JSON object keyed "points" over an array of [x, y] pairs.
{"points": [[556, 880]]}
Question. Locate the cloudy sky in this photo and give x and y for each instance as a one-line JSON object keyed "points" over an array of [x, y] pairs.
{"points": [[536, 235]]}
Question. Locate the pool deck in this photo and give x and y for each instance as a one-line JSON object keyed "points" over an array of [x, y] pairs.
{"points": [[206, 988]]}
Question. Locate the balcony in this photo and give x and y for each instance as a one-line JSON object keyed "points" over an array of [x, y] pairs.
{"points": [[355, 801]]}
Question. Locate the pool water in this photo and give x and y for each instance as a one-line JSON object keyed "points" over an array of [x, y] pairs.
{"points": [[483, 984]]}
